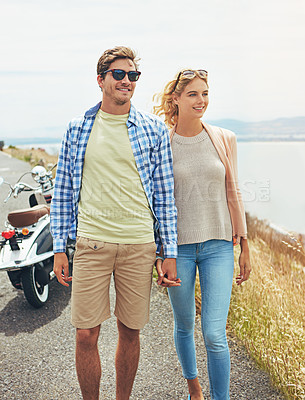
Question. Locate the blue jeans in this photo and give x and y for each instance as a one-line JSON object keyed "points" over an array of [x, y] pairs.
{"points": [[215, 260]]}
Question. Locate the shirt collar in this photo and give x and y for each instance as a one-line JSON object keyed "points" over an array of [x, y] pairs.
{"points": [[93, 111], [132, 116], [132, 119]]}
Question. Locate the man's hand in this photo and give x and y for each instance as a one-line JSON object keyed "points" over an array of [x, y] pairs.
{"points": [[61, 268], [167, 272]]}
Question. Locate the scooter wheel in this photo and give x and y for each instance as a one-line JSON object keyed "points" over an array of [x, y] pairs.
{"points": [[35, 293]]}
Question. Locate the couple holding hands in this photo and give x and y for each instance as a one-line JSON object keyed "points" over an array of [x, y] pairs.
{"points": [[128, 189]]}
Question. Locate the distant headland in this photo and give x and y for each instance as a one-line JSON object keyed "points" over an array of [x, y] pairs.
{"points": [[281, 129]]}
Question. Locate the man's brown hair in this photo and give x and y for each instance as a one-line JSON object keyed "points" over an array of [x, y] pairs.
{"points": [[110, 55]]}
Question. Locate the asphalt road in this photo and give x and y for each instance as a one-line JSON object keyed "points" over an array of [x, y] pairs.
{"points": [[37, 346]]}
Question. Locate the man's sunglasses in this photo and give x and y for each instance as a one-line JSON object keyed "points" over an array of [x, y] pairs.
{"points": [[191, 74], [119, 74]]}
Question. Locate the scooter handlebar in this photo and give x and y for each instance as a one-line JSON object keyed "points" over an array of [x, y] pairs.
{"points": [[22, 186], [9, 195], [18, 188]]}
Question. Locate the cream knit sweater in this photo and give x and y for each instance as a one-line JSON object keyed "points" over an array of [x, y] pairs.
{"points": [[200, 191]]}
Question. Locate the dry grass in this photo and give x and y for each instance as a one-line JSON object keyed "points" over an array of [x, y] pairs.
{"points": [[32, 156], [267, 312]]}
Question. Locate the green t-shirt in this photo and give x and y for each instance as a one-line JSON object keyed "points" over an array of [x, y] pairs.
{"points": [[113, 206]]}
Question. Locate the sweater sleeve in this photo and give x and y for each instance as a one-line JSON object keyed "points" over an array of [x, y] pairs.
{"points": [[233, 148]]}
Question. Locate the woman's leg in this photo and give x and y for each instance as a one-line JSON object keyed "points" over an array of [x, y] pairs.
{"points": [[216, 265], [183, 303]]}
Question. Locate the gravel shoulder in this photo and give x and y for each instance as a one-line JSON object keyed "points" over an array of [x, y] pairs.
{"points": [[37, 346]]}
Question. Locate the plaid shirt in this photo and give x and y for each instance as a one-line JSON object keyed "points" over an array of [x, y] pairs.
{"points": [[151, 148]]}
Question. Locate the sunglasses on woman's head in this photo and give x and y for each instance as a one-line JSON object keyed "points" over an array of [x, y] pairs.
{"points": [[188, 73], [119, 74]]}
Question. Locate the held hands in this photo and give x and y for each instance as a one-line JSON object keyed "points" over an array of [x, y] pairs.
{"points": [[61, 268], [167, 272]]}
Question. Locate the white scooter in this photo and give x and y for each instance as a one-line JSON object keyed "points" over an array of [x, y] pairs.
{"points": [[26, 247]]}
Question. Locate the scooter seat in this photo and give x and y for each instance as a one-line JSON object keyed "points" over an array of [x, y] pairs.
{"points": [[28, 216]]}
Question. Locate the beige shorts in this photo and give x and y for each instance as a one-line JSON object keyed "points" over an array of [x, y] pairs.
{"points": [[94, 263]]}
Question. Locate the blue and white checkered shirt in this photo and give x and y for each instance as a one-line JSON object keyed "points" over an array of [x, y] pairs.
{"points": [[151, 148]]}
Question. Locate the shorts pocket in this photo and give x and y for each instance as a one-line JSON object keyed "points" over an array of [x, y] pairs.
{"points": [[95, 244], [84, 244]]}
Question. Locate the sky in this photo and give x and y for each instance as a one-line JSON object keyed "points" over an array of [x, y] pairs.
{"points": [[253, 51]]}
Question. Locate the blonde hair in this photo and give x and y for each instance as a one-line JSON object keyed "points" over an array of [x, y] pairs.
{"points": [[167, 107], [110, 55]]}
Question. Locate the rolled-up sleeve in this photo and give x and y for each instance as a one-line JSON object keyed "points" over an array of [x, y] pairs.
{"points": [[163, 197], [62, 200]]}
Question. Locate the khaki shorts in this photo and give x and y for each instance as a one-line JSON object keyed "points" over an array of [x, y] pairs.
{"points": [[94, 263]]}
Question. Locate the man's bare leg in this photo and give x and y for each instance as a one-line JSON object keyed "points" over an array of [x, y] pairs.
{"points": [[126, 360], [88, 365]]}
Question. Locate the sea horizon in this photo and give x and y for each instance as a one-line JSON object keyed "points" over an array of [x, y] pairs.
{"points": [[36, 142]]}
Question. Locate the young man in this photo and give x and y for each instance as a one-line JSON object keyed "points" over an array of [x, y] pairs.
{"points": [[114, 191]]}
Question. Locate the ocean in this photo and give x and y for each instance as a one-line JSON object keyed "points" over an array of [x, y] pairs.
{"points": [[272, 181]]}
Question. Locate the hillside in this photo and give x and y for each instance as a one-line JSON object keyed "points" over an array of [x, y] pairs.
{"points": [[279, 129]]}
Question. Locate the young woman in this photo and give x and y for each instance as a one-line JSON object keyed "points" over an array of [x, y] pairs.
{"points": [[211, 219]]}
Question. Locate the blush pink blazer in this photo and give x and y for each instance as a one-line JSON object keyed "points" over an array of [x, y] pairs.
{"points": [[225, 144]]}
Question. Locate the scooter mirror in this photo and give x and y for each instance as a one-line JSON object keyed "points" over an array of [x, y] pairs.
{"points": [[38, 172], [1, 180]]}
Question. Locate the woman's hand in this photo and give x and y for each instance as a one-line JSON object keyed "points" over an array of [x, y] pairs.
{"points": [[244, 262], [163, 270]]}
